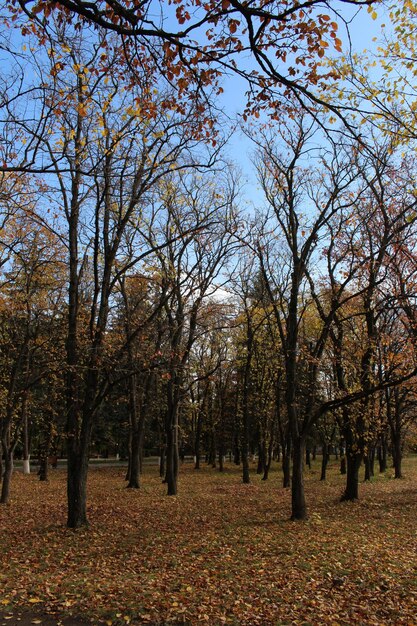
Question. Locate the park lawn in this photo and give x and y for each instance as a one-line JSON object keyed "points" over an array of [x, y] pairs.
{"points": [[218, 553]]}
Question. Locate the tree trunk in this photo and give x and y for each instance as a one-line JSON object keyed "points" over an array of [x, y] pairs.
{"points": [[245, 464], [134, 460], [286, 461], [382, 455], [43, 467], [7, 476], [236, 453], [268, 456], [298, 502], [7, 448], [25, 433], [136, 438], [324, 461], [212, 449], [129, 448], [221, 459], [172, 461], [278, 453], [367, 463], [197, 445], [77, 489], [78, 448], [236, 434], [397, 456], [162, 461], [372, 461], [396, 428], [353, 462], [261, 459], [245, 429]]}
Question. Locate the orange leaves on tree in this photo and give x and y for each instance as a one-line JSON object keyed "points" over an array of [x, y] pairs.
{"points": [[233, 24]]}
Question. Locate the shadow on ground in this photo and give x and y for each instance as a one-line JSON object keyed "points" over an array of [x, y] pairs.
{"points": [[28, 618]]}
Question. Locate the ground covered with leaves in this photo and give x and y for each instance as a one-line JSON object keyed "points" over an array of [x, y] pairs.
{"points": [[219, 553]]}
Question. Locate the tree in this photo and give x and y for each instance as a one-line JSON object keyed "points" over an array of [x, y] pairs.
{"points": [[192, 245], [100, 158], [206, 40], [383, 219], [290, 192], [31, 302], [139, 314]]}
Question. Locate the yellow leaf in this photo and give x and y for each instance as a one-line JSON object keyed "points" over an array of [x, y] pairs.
{"points": [[34, 600]]}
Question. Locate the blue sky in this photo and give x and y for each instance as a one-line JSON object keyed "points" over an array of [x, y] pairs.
{"points": [[363, 31], [362, 28]]}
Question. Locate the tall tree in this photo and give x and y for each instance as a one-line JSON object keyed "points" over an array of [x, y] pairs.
{"points": [[196, 238]]}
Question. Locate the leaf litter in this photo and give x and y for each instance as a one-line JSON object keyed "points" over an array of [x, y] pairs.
{"points": [[218, 553]]}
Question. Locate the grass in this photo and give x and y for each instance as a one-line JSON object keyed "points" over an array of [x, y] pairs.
{"points": [[219, 553]]}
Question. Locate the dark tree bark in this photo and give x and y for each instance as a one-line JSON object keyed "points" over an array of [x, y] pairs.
{"points": [[236, 429], [25, 433], [162, 461], [7, 452], [277, 454], [324, 460], [397, 455], [382, 454], [286, 460], [197, 441], [221, 459], [133, 470], [212, 453], [342, 457], [353, 463], [171, 430], [269, 454], [77, 489], [367, 463], [44, 453], [43, 467], [261, 456], [308, 457], [299, 508], [245, 400]]}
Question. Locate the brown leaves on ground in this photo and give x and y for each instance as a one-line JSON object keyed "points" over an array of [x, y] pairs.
{"points": [[219, 553]]}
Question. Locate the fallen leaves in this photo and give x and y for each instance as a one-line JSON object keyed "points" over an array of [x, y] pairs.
{"points": [[219, 553]]}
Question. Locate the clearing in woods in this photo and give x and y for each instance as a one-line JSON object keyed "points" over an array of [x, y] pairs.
{"points": [[219, 553]]}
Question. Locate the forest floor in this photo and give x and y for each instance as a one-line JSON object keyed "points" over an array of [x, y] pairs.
{"points": [[218, 553]]}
